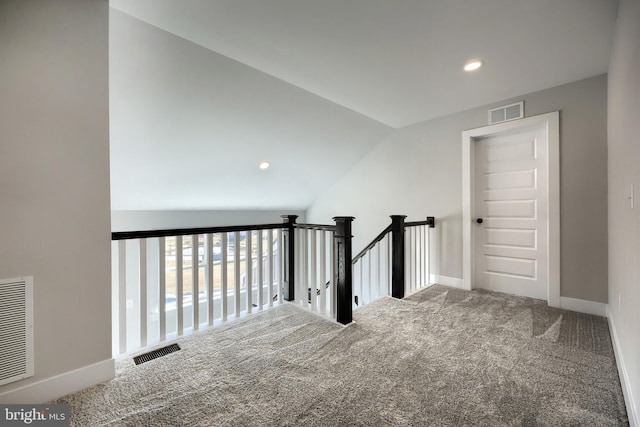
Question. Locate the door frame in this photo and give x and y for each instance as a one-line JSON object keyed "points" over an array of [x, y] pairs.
{"points": [[551, 122]]}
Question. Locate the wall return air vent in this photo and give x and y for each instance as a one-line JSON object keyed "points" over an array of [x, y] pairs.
{"points": [[16, 329], [506, 113]]}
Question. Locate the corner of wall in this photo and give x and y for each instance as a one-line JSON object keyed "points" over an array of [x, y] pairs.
{"points": [[625, 382]]}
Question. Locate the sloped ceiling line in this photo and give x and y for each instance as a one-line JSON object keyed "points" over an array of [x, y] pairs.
{"points": [[202, 91]]}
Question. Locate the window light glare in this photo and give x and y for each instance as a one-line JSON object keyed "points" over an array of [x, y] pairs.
{"points": [[264, 165], [473, 65]]}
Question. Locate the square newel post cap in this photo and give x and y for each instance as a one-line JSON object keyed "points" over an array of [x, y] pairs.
{"points": [[343, 224], [289, 218], [396, 217], [431, 221], [343, 218], [397, 220]]}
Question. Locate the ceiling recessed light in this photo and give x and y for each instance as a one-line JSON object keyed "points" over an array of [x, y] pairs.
{"points": [[473, 65], [264, 165]]}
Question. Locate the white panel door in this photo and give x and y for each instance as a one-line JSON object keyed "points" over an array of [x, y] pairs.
{"points": [[511, 212]]}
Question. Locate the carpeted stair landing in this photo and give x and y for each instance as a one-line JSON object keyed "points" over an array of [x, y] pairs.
{"points": [[439, 357]]}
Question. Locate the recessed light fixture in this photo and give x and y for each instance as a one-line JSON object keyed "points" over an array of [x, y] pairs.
{"points": [[473, 65], [264, 165]]}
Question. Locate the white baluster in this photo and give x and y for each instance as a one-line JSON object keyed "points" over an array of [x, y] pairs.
{"points": [[236, 272], [390, 253], [361, 300], [322, 272], [179, 285], [249, 270], [208, 272], [162, 275], [195, 283], [332, 286], [122, 295], [260, 278], [423, 260], [281, 255], [428, 254], [301, 291], [313, 274], [417, 249], [378, 270], [142, 286], [224, 278], [270, 275]]}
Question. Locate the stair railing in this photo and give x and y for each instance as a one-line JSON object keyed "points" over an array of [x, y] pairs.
{"points": [[170, 282], [395, 263], [417, 268], [167, 283], [322, 272]]}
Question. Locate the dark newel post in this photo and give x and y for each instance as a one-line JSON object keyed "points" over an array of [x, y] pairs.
{"points": [[397, 256], [344, 273], [288, 235], [431, 221]]}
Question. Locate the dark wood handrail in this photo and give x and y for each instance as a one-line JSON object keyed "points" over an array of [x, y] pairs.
{"points": [[430, 222], [415, 223], [315, 227], [372, 244], [125, 235]]}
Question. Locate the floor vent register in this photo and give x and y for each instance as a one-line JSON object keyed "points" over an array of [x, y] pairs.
{"points": [[156, 353]]}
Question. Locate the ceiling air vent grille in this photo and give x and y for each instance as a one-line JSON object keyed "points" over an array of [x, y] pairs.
{"points": [[506, 113], [16, 329]]}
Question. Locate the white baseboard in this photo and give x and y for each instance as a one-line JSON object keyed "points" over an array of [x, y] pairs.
{"points": [[454, 282], [584, 306], [52, 388], [573, 304], [629, 400]]}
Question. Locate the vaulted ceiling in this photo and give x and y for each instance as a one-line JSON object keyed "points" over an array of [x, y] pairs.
{"points": [[202, 91]]}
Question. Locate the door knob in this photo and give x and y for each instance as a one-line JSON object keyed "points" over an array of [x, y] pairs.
{"points": [[479, 220]]}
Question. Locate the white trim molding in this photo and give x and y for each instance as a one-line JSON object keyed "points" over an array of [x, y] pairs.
{"points": [[584, 306], [629, 399], [552, 123], [454, 282], [61, 385]]}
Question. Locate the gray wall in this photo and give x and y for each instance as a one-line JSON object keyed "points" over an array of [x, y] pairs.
{"points": [[54, 177], [624, 222], [417, 172]]}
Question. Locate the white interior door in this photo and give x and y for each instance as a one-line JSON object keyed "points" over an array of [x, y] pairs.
{"points": [[510, 209]]}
